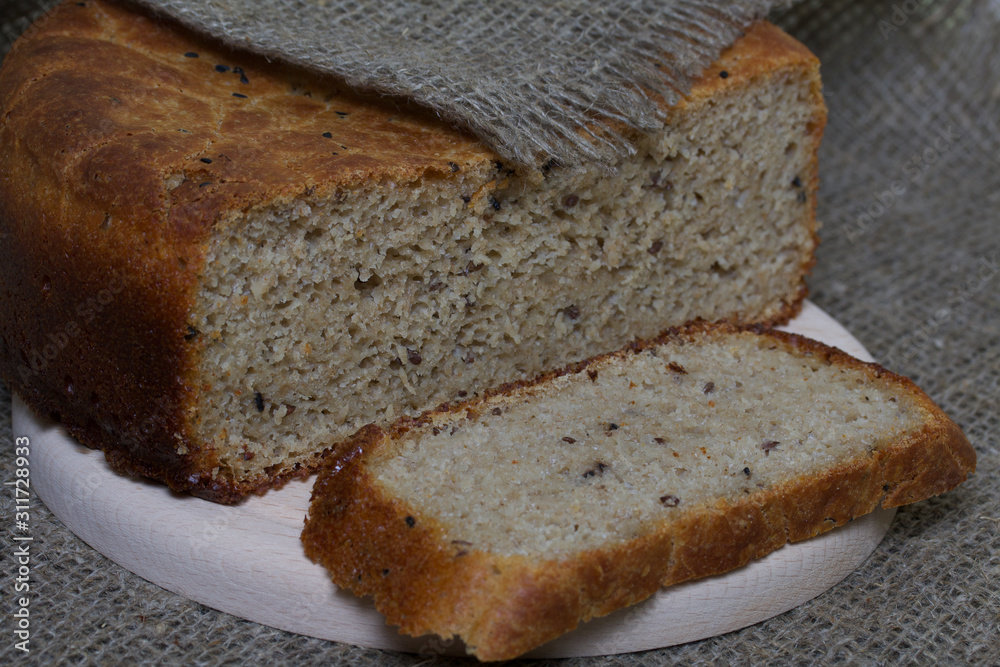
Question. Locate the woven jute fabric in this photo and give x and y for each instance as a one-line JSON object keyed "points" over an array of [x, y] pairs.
{"points": [[562, 80], [909, 263]]}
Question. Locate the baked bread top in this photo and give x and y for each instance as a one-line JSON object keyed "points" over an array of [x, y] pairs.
{"points": [[508, 519], [126, 97]]}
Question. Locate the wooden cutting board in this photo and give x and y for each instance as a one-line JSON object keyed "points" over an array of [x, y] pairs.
{"points": [[247, 560]]}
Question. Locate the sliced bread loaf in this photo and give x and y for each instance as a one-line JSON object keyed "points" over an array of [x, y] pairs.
{"points": [[508, 519], [216, 268]]}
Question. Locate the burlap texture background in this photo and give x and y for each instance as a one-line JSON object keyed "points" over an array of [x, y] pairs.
{"points": [[910, 263]]}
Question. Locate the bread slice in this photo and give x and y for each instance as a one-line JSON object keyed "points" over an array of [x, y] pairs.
{"points": [[216, 268], [508, 519]]}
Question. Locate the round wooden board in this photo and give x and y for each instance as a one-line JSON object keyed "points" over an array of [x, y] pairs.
{"points": [[247, 560]]}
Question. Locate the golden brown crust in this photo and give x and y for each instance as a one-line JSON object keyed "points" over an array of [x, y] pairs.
{"points": [[424, 584], [99, 110]]}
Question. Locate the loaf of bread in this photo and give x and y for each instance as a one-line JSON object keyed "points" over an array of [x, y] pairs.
{"points": [[508, 519], [217, 268]]}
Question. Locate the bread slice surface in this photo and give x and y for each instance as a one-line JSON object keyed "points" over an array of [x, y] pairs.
{"points": [[509, 519], [254, 262]]}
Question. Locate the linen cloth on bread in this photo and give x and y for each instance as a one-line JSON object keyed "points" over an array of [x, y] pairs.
{"points": [[566, 80]]}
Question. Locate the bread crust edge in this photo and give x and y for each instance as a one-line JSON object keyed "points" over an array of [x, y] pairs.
{"points": [[422, 583]]}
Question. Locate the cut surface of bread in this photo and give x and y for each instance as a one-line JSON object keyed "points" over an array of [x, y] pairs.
{"points": [[218, 268], [509, 519]]}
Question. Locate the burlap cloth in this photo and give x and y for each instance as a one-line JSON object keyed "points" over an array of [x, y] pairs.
{"points": [[910, 263], [562, 80]]}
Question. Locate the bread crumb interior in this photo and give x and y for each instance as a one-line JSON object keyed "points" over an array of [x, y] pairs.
{"points": [[326, 313], [586, 461]]}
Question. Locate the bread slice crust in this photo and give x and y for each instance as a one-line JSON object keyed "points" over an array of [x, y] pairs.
{"points": [[100, 338], [503, 605]]}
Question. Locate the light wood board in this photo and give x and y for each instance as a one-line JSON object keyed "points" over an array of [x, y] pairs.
{"points": [[247, 559]]}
